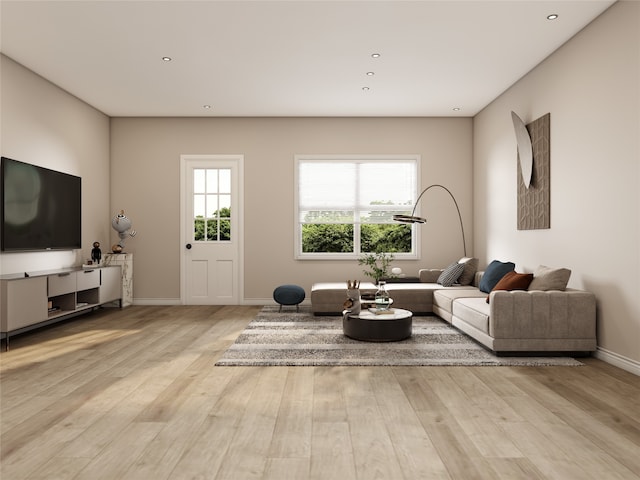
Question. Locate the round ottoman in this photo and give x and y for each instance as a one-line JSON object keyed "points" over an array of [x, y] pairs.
{"points": [[288, 295]]}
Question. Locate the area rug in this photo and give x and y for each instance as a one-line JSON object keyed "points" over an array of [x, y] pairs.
{"points": [[301, 339]]}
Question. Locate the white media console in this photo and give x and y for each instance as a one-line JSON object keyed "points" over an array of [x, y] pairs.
{"points": [[31, 300]]}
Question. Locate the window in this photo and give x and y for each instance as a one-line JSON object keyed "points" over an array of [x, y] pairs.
{"points": [[345, 205], [211, 204]]}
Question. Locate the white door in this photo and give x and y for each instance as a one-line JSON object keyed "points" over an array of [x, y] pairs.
{"points": [[211, 222]]}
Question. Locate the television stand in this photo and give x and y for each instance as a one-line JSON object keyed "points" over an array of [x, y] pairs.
{"points": [[36, 299]]}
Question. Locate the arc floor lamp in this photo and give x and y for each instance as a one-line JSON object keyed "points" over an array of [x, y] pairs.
{"points": [[414, 219]]}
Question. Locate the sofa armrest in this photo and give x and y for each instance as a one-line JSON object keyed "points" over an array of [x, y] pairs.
{"points": [[429, 275], [568, 314]]}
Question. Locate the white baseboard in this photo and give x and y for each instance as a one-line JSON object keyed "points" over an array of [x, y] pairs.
{"points": [[258, 301], [157, 301], [267, 301], [619, 361]]}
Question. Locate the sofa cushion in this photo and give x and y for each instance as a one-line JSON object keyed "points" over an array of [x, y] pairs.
{"points": [[546, 278], [470, 269], [451, 274], [472, 311], [513, 281], [415, 297], [328, 298], [494, 272], [430, 275], [444, 298]]}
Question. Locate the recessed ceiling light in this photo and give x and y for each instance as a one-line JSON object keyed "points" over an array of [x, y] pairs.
{"points": [[166, 59], [206, 107], [456, 109], [365, 89], [375, 55], [370, 74], [553, 16]]}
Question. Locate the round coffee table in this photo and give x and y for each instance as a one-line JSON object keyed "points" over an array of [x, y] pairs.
{"points": [[373, 327]]}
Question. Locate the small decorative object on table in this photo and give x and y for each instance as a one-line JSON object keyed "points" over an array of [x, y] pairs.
{"points": [[352, 303], [96, 253], [382, 297], [121, 224]]}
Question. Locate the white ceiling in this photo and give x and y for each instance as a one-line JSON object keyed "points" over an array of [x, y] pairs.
{"points": [[287, 58]]}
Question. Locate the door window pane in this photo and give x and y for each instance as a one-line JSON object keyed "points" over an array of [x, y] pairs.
{"points": [[212, 202]]}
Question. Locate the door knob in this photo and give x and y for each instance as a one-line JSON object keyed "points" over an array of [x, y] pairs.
{"points": [[188, 246]]}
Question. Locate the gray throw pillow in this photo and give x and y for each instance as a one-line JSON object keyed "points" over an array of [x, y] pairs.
{"points": [[451, 274], [470, 269], [546, 278]]}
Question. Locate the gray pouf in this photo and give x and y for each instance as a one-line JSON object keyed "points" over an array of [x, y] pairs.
{"points": [[289, 295]]}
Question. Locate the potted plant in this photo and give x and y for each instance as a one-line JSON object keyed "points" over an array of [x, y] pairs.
{"points": [[377, 265]]}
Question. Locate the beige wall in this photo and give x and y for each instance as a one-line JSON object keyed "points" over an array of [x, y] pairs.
{"points": [[43, 125], [145, 183], [591, 87]]}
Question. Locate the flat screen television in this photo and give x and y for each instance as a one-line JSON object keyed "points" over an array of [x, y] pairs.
{"points": [[41, 208]]}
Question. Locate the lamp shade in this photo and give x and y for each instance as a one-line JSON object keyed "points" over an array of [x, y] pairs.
{"points": [[409, 219]]}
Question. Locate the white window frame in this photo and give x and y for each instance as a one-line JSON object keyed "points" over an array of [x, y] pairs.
{"points": [[415, 232]]}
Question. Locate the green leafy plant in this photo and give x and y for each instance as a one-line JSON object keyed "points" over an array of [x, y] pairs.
{"points": [[377, 265]]}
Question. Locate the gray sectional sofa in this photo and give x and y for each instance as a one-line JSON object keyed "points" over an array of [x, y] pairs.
{"points": [[536, 320]]}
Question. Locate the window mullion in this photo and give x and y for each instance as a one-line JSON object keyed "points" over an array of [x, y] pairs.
{"points": [[356, 211], [217, 212]]}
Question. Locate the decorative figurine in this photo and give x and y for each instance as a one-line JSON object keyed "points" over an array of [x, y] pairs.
{"points": [[352, 303], [96, 253], [121, 224]]}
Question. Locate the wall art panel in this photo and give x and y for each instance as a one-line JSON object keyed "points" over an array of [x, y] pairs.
{"points": [[534, 207]]}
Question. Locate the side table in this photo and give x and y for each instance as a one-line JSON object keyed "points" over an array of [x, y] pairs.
{"points": [[125, 260]]}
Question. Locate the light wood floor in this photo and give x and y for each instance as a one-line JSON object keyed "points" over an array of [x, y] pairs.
{"points": [[134, 394]]}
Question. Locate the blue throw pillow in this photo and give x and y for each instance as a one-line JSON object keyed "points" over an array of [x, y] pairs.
{"points": [[494, 273]]}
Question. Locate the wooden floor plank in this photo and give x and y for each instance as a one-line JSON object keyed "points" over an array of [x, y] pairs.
{"points": [[113, 462], [32, 457], [209, 444], [250, 443], [134, 394], [292, 435], [618, 415], [161, 455], [59, 468], [413, 447], [32, 427], [459, 457], [287, 469], [373, 450], [515, 469], [597, 427], [332, 452], [328, 400]]}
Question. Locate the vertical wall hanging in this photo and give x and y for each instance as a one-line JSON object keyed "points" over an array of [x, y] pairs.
{"points": [[534, 208]]}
